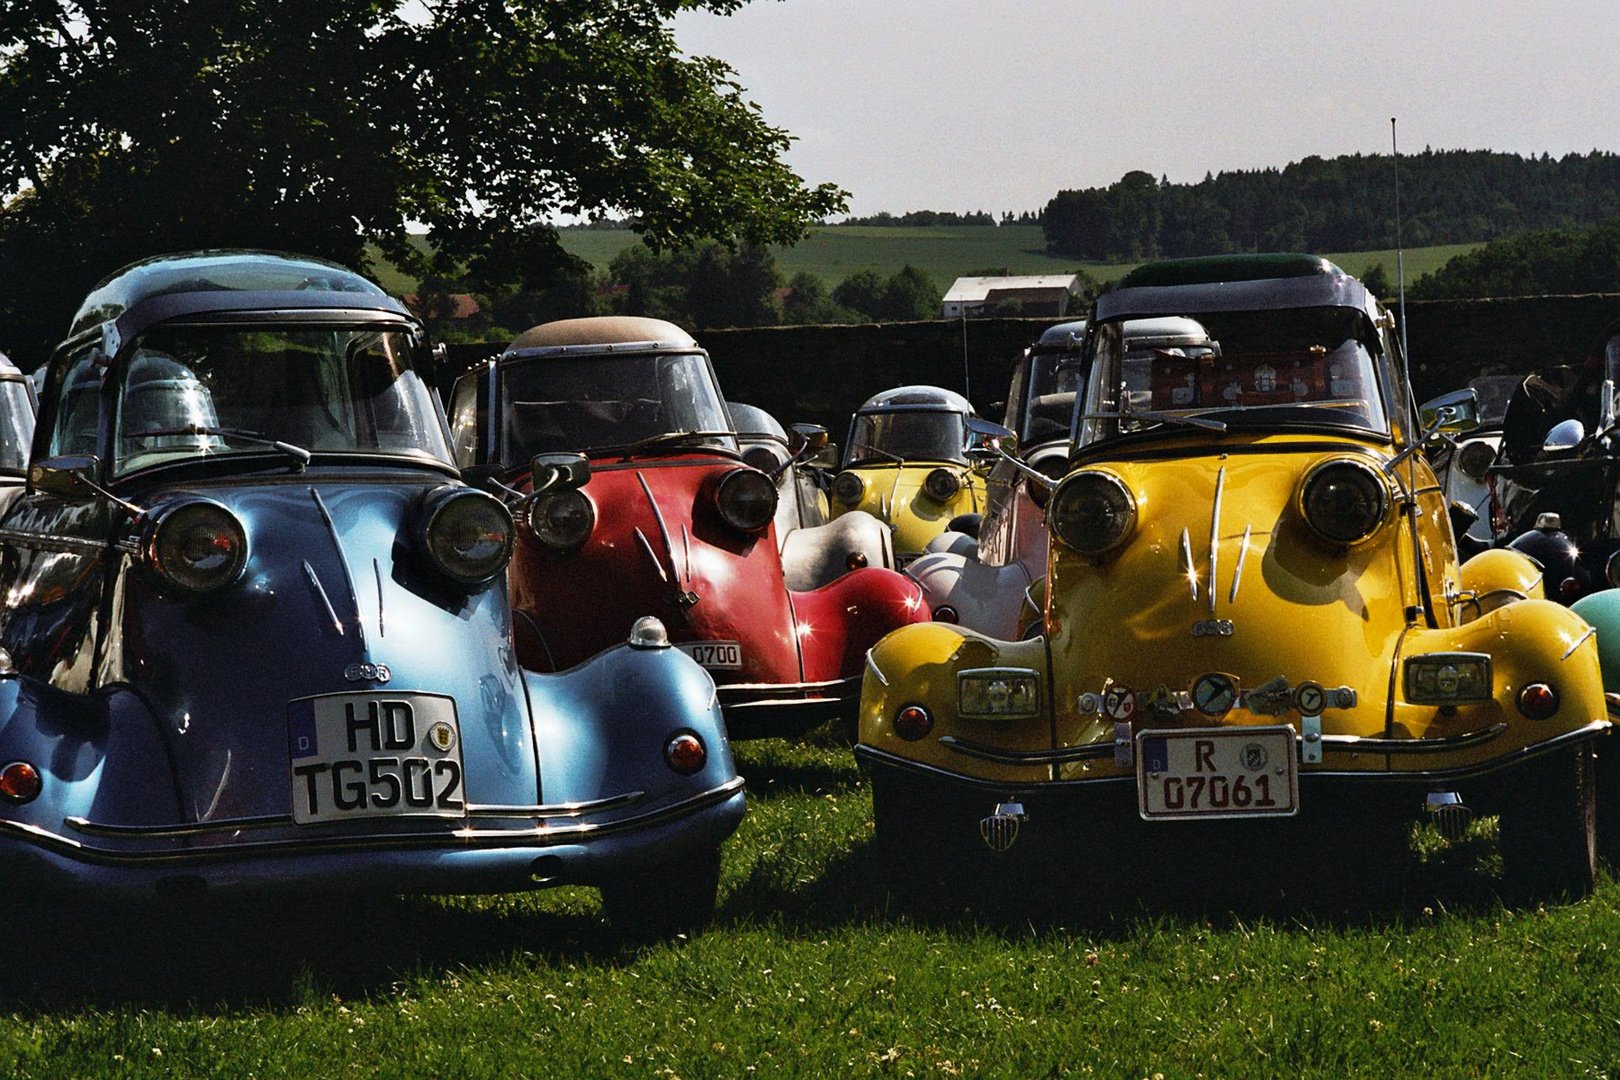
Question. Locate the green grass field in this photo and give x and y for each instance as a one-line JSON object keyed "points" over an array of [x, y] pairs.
{"points": [[949, 252], [813, 969]]}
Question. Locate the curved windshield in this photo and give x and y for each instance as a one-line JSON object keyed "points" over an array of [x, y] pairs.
{"points": [[583, 403], [907, 435], [16, 425], [1311, 366], [204, 391]]}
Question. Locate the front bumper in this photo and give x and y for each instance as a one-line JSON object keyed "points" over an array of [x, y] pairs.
{"points": [[761, 710], [491, 849]]}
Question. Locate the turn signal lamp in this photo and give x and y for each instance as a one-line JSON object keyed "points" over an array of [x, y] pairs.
{"points": [[197, 546], [946, 614], [19, 783], [685, 753], [1538, 701], [998, 694], [856, 560], [913, 722], [1448, 678], [1092, 512]]}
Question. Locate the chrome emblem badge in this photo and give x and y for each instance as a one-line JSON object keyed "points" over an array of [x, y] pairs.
{"points": [[1000, 829], [1119, 702], [442, 736], [1213, 628], [1214, 694], [364, 672]]}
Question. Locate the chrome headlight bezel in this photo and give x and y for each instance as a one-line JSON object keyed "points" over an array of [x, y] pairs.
{"points": [[171, 539], [443, 515], [1337, 523], [1074, 513], [746, 500], [547, 521], [849, 488], [942, 485]]}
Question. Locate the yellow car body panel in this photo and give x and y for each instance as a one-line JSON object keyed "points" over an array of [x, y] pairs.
{"points": [[894, 494]]}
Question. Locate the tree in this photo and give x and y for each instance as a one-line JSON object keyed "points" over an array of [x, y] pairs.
{"points": [[131, 128], [702, 286], [908, 295]]}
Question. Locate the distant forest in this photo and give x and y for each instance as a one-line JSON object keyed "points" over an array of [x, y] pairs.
{"points": [[1336, 204]]}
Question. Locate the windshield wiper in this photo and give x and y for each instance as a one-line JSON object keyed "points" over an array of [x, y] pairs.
{"points": [[896, 458], [1158, 418], [670, 438], [299, 455]]}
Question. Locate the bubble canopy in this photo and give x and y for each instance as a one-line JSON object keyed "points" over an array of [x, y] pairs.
{"points": [[314, 282]]}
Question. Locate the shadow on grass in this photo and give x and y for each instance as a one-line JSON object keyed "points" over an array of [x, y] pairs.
{"points": [[271, 953]]}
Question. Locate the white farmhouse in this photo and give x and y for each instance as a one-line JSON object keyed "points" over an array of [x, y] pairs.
{"points": [[1030, 294]]}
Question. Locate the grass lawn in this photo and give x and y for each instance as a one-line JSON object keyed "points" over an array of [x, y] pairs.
{"points": [[813, 969]]}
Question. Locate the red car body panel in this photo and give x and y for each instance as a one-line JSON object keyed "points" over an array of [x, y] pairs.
{"points": [[661, 548]]}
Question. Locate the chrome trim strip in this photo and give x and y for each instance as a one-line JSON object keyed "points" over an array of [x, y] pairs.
{"points": [[1590, 630], [726, 690], [376, 569], [663, 531], [572, 809], [1187, 564], [195, 828], [460, 838], [51, 541], [869, 756], [1237, 574], [646, 545], [1350, 744], [872, 664], [1027, 757], [309, 572], [1215, 535], [343, 561]]}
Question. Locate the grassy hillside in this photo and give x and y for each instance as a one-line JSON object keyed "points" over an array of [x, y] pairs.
{"points": [[947, 252], [814, 969]]}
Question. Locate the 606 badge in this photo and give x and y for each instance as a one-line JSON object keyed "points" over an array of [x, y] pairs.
{"points": [[374, 755]]}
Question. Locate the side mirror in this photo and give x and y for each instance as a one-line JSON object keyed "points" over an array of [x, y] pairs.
{"points": [[1452, 413], [553, 473], [1565, 435], [70, 478], [987, 441], [807, 440]]}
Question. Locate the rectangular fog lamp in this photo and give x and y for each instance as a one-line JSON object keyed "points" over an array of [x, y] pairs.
{"points": [[1448, 678], [998, 694]]}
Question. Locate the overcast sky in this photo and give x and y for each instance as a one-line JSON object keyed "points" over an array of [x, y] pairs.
{"points": [[997, 104]]}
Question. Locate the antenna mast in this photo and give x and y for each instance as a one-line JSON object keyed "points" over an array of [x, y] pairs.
{"points": [[1400, 254]]}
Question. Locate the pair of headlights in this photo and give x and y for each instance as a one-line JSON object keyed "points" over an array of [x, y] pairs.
{"points": [[1342, 500], [745, 499], [200, 546], [941, 485]]}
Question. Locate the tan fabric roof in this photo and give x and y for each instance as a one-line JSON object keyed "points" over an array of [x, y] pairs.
{"points": [[604, 330]]}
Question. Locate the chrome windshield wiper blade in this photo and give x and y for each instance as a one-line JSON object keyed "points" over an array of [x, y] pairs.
{"points": [[299, 455], [1158, 418], [671, 438]]}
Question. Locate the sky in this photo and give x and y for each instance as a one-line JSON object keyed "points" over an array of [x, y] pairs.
{"points": [[998, 104]]}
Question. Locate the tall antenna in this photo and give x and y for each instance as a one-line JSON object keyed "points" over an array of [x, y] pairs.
{"points": [[967, 389], [1400, 254]]}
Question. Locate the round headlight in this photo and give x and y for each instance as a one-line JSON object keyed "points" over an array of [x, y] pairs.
{"points": [[198, 546], [942, 485], [563, 521], [764, 458], [1091, 512], [1344, 502], [1475, 458], [848, 488], [468, 534], [746, 500]]}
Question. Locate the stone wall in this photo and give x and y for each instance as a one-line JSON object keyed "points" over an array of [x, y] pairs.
{"points": [[821, 374]]}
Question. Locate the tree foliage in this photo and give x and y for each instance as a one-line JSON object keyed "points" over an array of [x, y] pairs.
{"points": [[1336, 204], [1544, 263], [133, 127]]}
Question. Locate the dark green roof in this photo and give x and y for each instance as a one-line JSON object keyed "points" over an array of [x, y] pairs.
{"points": [[1213, 269]]}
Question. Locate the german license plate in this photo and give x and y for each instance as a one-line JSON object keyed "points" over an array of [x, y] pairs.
{"points": [[714, 655], [1216, 773], [374, 755]]}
